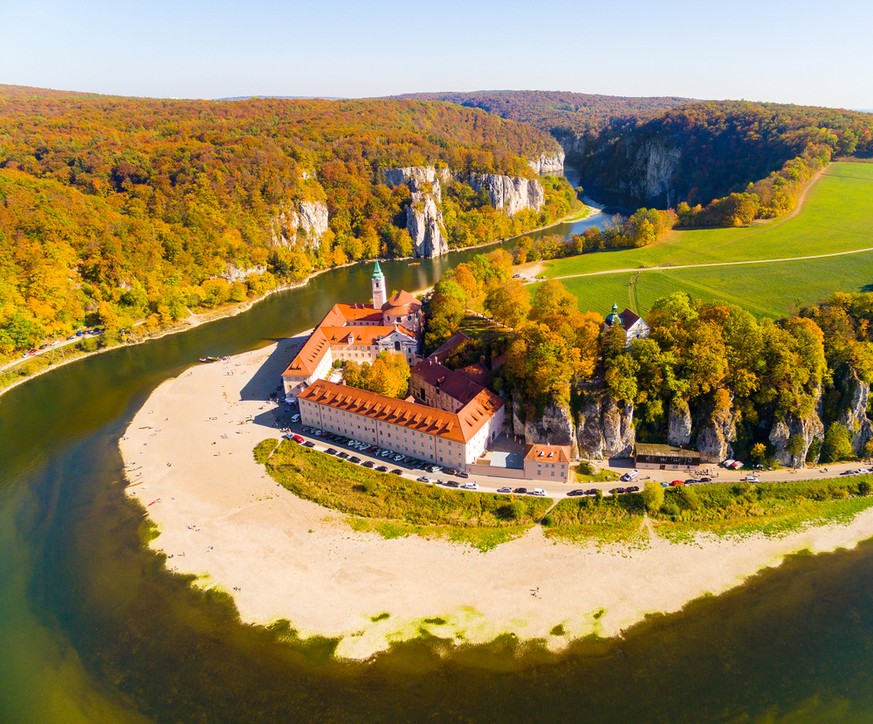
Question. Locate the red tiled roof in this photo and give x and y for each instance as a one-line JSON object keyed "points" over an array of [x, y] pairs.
{"points": [[458, 427], [338, 327], [477, 372], [401, 303], [449, 346], [457, 386], [307, 359], [548, 453]]}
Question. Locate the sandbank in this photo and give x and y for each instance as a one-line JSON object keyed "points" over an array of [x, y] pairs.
{"points": [[188, 460]]}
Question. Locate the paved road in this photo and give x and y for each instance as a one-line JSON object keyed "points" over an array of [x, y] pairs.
{"points": [[558, 490], [52, 346], [630, 270]]}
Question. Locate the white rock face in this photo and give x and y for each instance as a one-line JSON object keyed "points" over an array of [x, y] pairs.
{"points": [[234, 273], [510, 193], [855, 396], [549, 164], [304, 222], [679, 423], [424, 219], [604, 429]]}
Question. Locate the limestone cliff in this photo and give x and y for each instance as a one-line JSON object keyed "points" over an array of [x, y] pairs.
{"points": [[652, 171], [792, 437], [679, 423], [719, 429], [424, 219], [855, 395], [548, 164], [555, 427], [510, 194], [604, 429], [303, 222]]}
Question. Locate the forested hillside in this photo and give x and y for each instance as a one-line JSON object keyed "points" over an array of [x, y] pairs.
{"points": [[560, 113], [114, 210], [738, 160], [703, 151]]}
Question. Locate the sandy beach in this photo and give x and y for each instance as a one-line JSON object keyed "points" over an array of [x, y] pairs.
{"points": [[188, 459]]}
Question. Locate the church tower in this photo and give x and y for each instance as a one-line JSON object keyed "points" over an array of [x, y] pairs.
{"points": [[379, 295]]}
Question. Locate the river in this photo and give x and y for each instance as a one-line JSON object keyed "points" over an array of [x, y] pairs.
{"points": [[93, 629]]}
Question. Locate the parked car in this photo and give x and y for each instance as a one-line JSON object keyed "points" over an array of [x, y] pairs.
{"points": [[539, 492], [705, 480], [382, 469], [368, 464], [692, 481], [295, 418], [309, 443], [463, 475], [633, 489], [591, 491], [397, 471], [504, 489], [752, 479], [331, 451], [632, 475], [342, 454], [354, 459], [423, 479], [677, 483], [618, 491], [470, 485], [452, 484], [434, 469], [298, 439], [574, 493], [520, 491]]}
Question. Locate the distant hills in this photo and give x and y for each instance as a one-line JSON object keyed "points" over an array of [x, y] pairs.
{"points": [[558, 112]]}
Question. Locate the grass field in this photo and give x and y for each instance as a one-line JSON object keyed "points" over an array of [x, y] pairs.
{"points": [[393, 506], [836, 217]]}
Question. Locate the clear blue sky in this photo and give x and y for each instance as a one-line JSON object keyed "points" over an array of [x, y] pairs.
{"points": [[776, 50]]}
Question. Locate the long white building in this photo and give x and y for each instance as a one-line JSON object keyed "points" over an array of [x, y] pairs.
{"points": [[453, 439]]}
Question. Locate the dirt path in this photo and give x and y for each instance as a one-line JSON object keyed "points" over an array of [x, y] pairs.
{"points": [[629, 270]]}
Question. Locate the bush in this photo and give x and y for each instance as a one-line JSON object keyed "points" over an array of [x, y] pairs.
{"points": [[653, 496], [837, 444], [264, 449]]}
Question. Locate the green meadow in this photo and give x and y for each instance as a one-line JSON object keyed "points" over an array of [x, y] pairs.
{"points": [[837, 216]]}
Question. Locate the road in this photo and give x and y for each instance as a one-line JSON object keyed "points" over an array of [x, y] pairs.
{"points": [[559, 490], [52, 346], [638, 270]]}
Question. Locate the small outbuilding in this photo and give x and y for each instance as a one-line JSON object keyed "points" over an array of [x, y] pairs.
{"points": [[633, 325], [651, 456]]}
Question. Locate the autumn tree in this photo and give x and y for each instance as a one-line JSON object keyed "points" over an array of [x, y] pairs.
{"points": [[508, 302], [388, 375]]}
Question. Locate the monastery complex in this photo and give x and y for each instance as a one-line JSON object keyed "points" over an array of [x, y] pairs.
{"points": [[449, 418]]}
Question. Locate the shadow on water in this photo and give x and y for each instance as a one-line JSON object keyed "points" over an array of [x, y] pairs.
{"points": [[100, 630]]}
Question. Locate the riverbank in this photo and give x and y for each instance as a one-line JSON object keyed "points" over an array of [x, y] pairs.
{"points": [[231, 310], [220, 517]]}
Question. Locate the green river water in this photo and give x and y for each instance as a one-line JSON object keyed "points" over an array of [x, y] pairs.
{"points": [[93, 629]]}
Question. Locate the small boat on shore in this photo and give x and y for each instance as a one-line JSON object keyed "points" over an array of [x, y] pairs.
{"points": [[209, 359]]}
